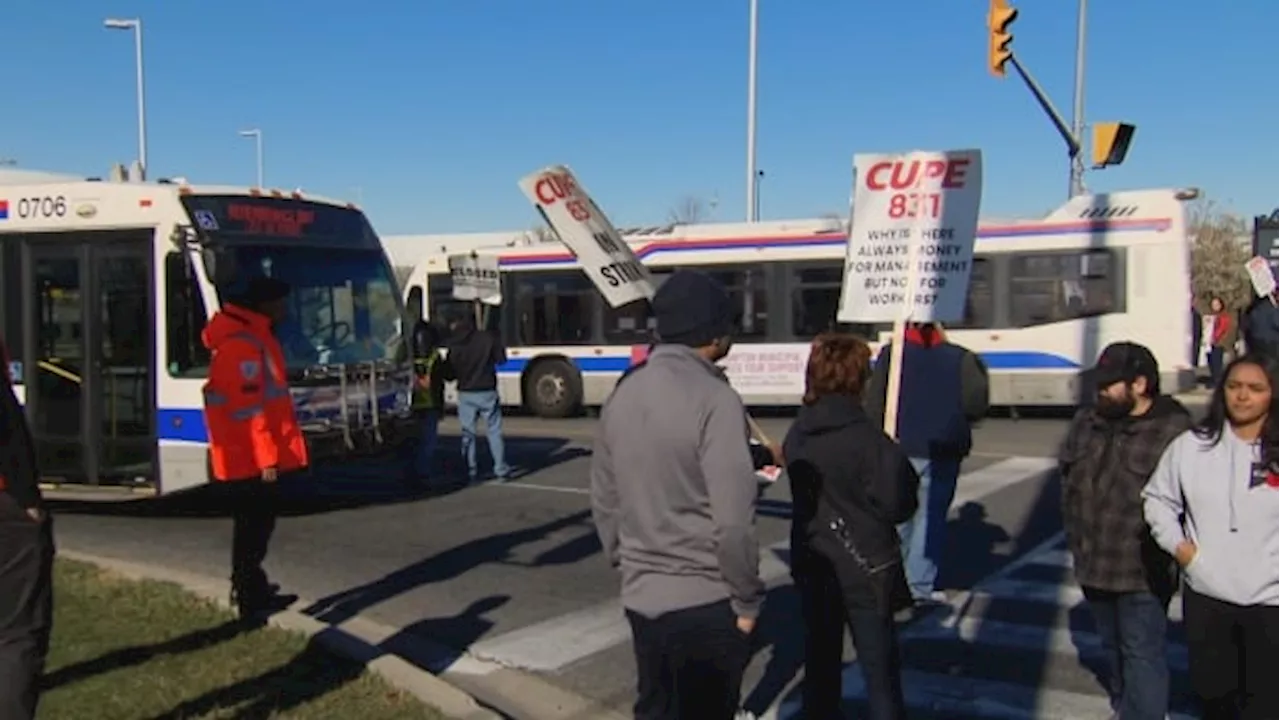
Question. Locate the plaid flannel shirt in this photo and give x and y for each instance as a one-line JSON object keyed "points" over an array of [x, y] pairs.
{"points": [[1104, 466]]}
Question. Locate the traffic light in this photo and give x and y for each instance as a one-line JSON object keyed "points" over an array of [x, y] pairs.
{"points": [[1111, 143], [999, 18]]}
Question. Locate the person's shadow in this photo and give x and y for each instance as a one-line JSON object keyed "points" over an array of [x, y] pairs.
{"points": [[971, 552]]}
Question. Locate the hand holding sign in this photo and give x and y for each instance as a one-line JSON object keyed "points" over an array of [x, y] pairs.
{"points": [[593, 240]]}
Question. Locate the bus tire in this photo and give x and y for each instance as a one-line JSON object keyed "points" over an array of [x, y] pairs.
{"points": [[553, 389]]}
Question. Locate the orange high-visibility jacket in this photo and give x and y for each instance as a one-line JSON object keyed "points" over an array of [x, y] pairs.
{"points": [[247, 407]]}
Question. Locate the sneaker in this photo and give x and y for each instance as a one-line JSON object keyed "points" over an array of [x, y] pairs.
{"points": [[744, 715]]}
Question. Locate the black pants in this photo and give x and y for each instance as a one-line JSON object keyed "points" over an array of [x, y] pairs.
{"points": [[26, 608], [875, 637], [1232, 652], [254, 506], [689, 663]]}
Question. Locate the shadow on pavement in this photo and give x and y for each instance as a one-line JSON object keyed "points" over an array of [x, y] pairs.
{"points": [[442, 566], [378, 481], [927, 645]]}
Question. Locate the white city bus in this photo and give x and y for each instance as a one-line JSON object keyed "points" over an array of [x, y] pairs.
{"points": [[108, 284], [1045, 297]]}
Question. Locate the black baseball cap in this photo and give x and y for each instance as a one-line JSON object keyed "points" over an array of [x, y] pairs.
{"points": [[262, 289], [1126, 362]]}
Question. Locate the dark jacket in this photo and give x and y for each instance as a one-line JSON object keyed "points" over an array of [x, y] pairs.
{"points": [[843, 467], [1261, 326], [19, 476], [1104, 466], [473, 359], [945, 390]]}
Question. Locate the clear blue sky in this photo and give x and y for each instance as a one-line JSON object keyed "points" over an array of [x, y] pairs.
{"points": [[434, 109]]}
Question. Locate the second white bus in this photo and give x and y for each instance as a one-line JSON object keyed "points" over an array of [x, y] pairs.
{"points": [[1045, 297]]}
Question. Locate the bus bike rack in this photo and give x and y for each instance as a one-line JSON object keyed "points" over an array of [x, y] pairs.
{"points": [[353, 377]]}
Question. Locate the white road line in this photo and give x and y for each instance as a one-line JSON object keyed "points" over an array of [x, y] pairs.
{"points": [[998, 700], [989, 699], [999, 475], [535, 486], [1057, 640], [562, 640], [565, 639]]}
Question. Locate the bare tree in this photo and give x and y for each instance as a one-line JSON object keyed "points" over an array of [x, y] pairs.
{"points": [[690, 210], [541, 234], [1218, 256]]}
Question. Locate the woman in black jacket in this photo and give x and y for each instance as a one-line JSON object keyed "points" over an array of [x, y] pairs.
{"points": [[851, 486]]}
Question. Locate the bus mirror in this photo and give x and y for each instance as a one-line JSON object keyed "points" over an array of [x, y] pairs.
{"points": [[219, 265]]}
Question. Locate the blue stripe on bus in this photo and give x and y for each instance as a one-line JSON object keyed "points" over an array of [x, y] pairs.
{"points": [[1000, 360]]}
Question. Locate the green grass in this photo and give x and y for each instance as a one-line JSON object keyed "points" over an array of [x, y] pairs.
{"points": [[135, 650]]}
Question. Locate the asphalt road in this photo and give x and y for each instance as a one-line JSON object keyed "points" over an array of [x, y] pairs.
{"points": [[512, 572]]}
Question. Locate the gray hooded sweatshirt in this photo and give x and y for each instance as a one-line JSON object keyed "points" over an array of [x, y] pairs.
{"points": [[1222, 500], [673, 488]]}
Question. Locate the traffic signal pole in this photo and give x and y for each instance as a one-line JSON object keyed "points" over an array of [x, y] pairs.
{"points": [[1073, 142]]}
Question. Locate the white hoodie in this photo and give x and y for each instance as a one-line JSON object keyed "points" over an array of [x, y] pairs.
{"points": [[1232, 517]]}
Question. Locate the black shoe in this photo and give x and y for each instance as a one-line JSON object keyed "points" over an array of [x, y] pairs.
{"points": [[253, 604]]}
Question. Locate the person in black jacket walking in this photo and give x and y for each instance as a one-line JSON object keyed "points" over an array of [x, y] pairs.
{"points": [[26, 562], [472, 360], [851, 485], [944, 391]]}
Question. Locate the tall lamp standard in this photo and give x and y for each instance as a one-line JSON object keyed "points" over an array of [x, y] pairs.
{"points": [[135, 24], [256, 134]]}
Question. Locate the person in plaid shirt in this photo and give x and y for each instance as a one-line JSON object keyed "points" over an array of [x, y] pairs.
{"points": [[1111, 450]]}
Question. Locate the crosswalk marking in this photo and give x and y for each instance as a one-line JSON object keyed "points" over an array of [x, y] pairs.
{"points": [[562, 640], [971, 697]]}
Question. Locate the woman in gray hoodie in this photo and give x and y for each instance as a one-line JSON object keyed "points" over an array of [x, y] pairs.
{"points": [[1211, 503]]}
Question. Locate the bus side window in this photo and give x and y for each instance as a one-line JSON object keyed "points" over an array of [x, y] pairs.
{"points": [[186, 356]]}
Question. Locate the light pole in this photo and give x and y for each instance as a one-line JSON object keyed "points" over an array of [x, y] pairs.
{"points": [[752, 209], [256, 134], [135, 24], [1077, 114]]}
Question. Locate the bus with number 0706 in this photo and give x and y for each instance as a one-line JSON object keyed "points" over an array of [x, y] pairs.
{"points": [[108, 285], [1045, 297]]}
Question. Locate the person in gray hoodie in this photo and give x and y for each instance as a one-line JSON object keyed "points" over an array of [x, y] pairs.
{"points": [[673, 495], [1211, 503]]}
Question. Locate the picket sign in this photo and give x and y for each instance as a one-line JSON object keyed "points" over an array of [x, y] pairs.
{"points": [[913, 222], [596, 244], [476, 279], [584, 228], [1264, 283]]}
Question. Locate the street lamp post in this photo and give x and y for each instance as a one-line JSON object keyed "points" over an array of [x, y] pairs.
{"points": [[135, 24], [256, 134], [753, 32]]}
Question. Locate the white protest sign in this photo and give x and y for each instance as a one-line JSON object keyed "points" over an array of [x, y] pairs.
{"points": [[910, 251], [476, 278], [1264, 283], [604, 256]]}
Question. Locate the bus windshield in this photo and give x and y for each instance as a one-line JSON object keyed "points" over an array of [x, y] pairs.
{"points": [[344, 304]]}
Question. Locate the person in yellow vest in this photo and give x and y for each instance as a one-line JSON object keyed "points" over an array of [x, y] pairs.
{"points": [[428, 398]]}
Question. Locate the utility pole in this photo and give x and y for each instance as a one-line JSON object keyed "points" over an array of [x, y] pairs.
{"points": [[1076, 181], [753, 32]]}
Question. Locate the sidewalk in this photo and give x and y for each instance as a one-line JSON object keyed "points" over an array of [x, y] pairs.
{"points": [[460, 686]]}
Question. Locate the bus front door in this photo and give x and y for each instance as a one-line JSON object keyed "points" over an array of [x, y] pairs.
{"points": [[90, 339]]}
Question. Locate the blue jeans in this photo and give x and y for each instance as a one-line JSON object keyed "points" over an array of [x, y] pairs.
{"points": [[471, 405], [425, 451], [1132, 628], [924, 537]]}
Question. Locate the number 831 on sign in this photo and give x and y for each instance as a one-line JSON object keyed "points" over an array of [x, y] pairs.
{"points": [[915, 205]]}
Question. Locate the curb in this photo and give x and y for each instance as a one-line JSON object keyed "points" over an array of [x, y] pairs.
{"points": [[454, 683]]}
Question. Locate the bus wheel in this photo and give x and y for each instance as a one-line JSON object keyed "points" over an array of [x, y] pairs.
{"points": [[553, 389]]}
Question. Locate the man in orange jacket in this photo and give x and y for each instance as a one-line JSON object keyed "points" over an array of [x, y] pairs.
{"points": [[254, 436]]}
